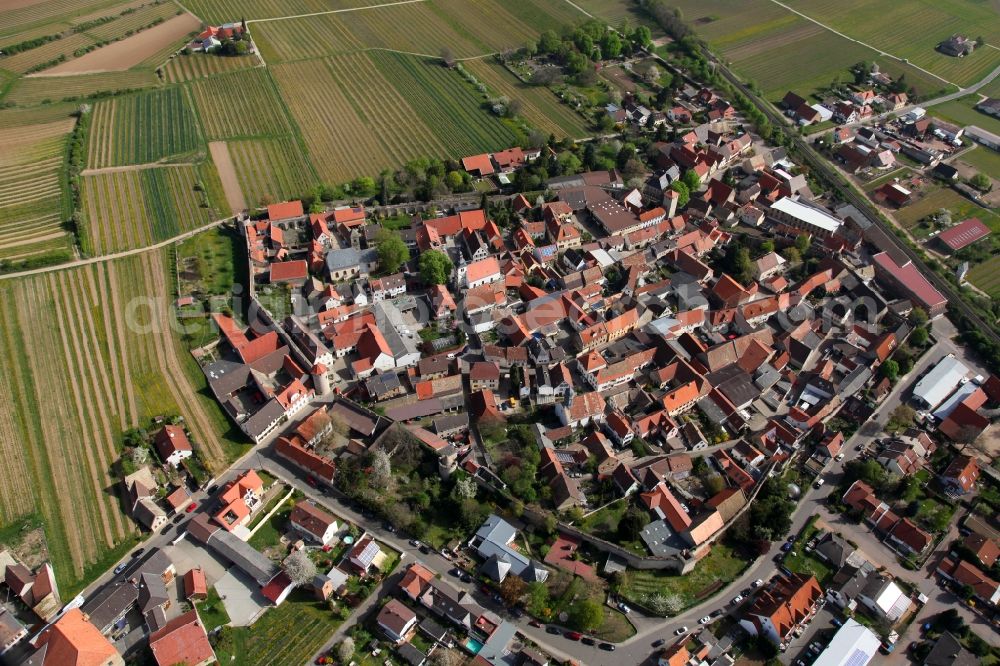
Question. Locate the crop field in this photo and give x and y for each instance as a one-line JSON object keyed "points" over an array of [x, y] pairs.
{"points": [[197, 66], [913, 28], [540, 106], [268, 641], [615, 12], [272, 168], [986, 276], [983, 159], [781, 51], [240, 104], [467, 28], [960, 207], [223, 11], [31, 15], [130, 209], [142, 128], [408, 107], [136, 20], [92, 366], [32, 90], [26, 60], [31, 194]]}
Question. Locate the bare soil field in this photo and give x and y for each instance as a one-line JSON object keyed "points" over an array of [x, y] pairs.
{"points": [[7, 5], [227, 174], [129, 52]]}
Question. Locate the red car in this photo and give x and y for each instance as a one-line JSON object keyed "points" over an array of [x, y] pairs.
{"points": [[574, 635], [535, 623], [191, 507], [311, 481]]}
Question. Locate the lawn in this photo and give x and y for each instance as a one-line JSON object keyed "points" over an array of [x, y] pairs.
{"points": [[288, 634], [212, 611], [986, 276], [962, 112], [270, 532], [943, 197], [713, 572], [206, 262], [984, 159], [803, 562]]}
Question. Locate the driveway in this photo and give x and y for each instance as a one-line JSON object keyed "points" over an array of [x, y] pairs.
{"points": [[241, 596]]}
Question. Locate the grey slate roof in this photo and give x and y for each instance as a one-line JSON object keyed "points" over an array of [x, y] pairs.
{"points": [[243, 555]]}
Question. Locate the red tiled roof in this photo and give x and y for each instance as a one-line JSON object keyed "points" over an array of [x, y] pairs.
{"points": [[289, 270], [294, 449], [73, 641], [480, 163], [172, 438], [281, 211]]}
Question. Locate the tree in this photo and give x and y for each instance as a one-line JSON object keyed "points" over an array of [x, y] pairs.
{"points": [[447, 57], [664, 603], [981, 182], [300, 568], [900, 418], [392, 251], [652, 75], [683, 193], [890, 370], [793, 255], [691, 179], [632, 524], [435, 267], [548, 42], [869, 471], [465, 488], [538, 600], [802, 243], [919, 336], [918, 316], [586, 615], [512, 589], [345, 650], [381, 469], [611, 45]]}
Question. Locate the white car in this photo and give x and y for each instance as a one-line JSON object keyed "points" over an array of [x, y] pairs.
{"points": [[705, 620], [737, 599], [840, 456], [624, 608], [757, 583], [681, 631], [819, 483]]}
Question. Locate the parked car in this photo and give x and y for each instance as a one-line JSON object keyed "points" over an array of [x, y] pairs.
{"points": [[535, 623], [456, 572], [607, 646], [737, 599], [658, 643], [705, 620], [785, 547], [212, 489], [191, 507], [757, 583], [120, 568], [551, 629], [138, 552], [587, 640], [178, 518], [414, 543], [840, 456], [681, 631], [624, 608], [573, 635], [819, 483]]}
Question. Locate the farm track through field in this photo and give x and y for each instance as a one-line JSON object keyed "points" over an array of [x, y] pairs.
{"points": [[16, 498], [162, 164], [109, 280], [170, 367], [89, 436], [60, 462]]}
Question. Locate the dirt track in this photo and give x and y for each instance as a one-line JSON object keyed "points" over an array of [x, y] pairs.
{"points": [[227, 173], [109, 283], [129, 52]]}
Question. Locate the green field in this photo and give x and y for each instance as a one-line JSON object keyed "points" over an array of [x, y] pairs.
{"points": [[240, 104], [465, 27], [35, 90], [986, 276], [912, 29], [141, 128], [782, 51], [540, 107], [272, 640], [960, 207], [198, 65], [130, 209], [79, 367], [984, 159], [408, 107], [962, 112], [270, 168], [722, 564], [33, 204]]}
